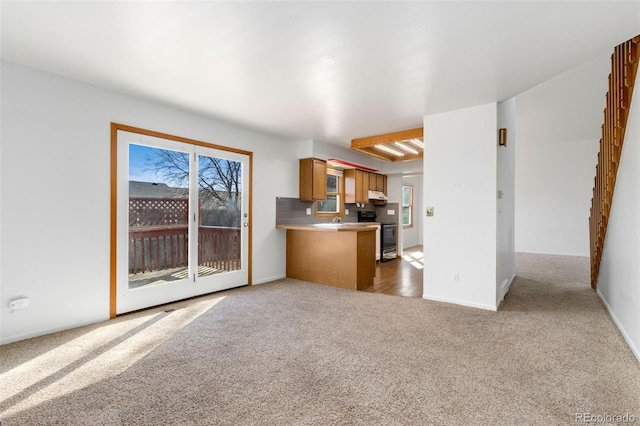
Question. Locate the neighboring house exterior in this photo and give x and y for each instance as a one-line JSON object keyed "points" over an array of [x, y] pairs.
{"points": [[139, 189]]}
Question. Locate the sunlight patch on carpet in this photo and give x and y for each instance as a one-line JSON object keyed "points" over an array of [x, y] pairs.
{"points": [[68, 368]]}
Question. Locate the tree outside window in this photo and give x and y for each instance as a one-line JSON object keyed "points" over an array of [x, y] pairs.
{"points": [[219, 183], [407, 206]]}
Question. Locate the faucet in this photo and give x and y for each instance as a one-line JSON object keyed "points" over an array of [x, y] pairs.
{"points": [[335, 220]]}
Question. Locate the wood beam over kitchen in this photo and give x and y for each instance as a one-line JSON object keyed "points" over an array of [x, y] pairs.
{"points": [[404, 145]]}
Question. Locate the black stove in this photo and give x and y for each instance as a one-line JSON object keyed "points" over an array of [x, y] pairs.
{"points": [[388, 241], [388, 235], [364, 216]]}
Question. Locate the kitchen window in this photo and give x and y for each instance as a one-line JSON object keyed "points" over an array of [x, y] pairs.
{"points": [[407, 206], [332, 206]]}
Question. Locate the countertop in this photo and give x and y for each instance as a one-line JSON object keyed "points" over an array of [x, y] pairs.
{"points": [[330, 227]]}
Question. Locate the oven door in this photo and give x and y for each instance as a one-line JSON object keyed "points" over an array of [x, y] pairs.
{"points": [[388, 241]]}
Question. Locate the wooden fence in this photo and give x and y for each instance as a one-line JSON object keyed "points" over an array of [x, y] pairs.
{"points": [[147, 211], [164, 247]]}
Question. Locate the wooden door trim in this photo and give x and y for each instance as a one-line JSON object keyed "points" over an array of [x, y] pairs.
{"points": [[115, 127]]}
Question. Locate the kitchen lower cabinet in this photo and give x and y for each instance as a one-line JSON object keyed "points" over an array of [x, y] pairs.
{"points": [[343, 257]]}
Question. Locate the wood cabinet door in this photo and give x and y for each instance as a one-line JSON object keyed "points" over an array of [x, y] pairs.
{"points": [[362, 186], [313, 179], [380, 186], [350, 186], [373, 181], [319, 180], [356, 186], [377, 182]]}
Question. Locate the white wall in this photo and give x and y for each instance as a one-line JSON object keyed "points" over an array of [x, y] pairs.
{"points": [[55, 194], [558, 132], [413, 236], [619, 278], [460, 180], [412, 167], [305, 149], [505, 220]]}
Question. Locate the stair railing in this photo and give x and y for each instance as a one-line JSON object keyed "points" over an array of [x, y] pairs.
{"points": [[624, 66]]}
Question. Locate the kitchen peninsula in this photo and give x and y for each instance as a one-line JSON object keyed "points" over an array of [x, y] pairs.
{"points": [[339, 255]]}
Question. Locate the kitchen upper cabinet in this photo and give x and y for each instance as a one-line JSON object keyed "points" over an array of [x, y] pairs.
{"points": [[356, 186], [313, 179], [381, 181], [378, 182], [373, 181], [364, 186]]}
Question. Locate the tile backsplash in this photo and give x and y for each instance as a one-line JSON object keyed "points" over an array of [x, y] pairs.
{"points": [[389, 213], [292, 211]]}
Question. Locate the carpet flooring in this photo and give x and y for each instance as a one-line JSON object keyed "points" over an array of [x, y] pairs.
{"points": [[295, 353]]}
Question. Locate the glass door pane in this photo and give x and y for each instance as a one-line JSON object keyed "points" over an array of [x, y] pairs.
{"points": [[154, 218], [220, 213], [221, 253], [158, 215]]}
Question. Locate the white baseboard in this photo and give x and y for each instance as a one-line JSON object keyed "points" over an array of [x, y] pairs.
{"points": [[41, 332], [269, 279], [626, 337], [44, 331], [460, 302], [554, 253], [504, 289]]}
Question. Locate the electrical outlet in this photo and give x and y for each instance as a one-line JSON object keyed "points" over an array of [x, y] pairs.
{"points": [[308, 211], [455, 277], [346, 212]]}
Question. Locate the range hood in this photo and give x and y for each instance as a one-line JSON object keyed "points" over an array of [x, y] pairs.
{"points": [[377, 195]]}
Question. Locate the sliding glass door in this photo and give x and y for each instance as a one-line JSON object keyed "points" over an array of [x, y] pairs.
{"points": [[182, 218], [222, 218]]}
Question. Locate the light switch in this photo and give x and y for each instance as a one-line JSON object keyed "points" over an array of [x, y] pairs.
{"points": [[391, 212]]}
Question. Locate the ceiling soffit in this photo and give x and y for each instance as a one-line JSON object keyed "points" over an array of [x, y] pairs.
{"points": [[405, 145]]}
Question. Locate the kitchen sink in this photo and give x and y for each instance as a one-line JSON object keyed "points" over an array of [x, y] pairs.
{"points": [[337, 225], [328, 225]]}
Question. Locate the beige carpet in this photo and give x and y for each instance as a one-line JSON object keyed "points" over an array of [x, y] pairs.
{"points": [[294, 353]]}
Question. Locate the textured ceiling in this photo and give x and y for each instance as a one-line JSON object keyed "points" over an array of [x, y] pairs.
{"points": [[331, 71]]}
